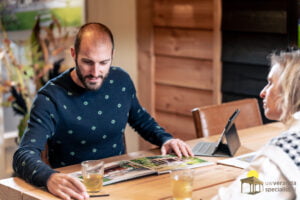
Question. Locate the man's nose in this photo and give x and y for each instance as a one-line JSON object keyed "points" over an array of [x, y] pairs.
{"points": [[97, 70]]}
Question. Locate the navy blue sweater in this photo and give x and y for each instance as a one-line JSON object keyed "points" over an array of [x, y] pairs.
{"points": [[79, 125]]}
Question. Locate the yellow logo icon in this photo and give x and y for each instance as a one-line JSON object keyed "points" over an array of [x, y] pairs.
{"points": [[255, 185], [252, 173]]}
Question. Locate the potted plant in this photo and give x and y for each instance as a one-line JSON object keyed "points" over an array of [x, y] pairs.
{"points": [[21, 80]]}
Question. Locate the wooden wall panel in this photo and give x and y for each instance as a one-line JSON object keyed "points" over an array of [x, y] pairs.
{"points": [[190, 73], [179, 126], [251, 48], [183, 43], [186, 43], [217, 65], [244, 79], [267, 21], [251, 30], [180, 100], [145, 54], [187, 13], [145, 59]]}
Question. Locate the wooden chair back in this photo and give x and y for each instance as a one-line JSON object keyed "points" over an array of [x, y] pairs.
{"points": [[44, 155], [211, 120]]}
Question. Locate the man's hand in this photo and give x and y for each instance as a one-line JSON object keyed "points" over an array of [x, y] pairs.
{"points": [[178, 146], [66, 187]]}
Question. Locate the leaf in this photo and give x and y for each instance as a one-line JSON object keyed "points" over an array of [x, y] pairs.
{"points": [[22, 125], [50, 36], [35, 35], [56, 24], [19, 104]]}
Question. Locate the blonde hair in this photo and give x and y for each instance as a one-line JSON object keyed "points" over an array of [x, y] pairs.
{"points": [[289, 82]]}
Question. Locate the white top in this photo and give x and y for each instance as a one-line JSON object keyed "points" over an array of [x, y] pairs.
{"points": [[277, 164]]}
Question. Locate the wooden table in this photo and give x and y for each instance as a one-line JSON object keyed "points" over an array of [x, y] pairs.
{"points": [[207, 180]]}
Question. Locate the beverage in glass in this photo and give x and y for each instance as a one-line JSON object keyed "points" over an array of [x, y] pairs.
{"points": [[182, 184], [92, 173]]}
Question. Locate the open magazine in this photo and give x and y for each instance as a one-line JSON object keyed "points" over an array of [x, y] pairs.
{"points": [[241, 161], [163, 164], [129, 169]]}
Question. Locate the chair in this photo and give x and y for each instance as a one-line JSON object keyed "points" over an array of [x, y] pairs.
{"points": [[211, 120], [44, 155]]}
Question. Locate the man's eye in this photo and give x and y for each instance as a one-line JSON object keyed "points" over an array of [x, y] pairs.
{"points": [[104, 63], [88, 62]]}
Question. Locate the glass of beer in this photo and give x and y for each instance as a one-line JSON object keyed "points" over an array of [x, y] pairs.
{"points": [[92, 173], [182, 184]]}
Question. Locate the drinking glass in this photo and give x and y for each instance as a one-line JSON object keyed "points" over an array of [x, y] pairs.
{"points": [[182, 184], [92, 173]]}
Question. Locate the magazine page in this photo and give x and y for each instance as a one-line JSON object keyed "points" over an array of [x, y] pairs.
{"points": [[164, 164], [241, 161], [120, 171]]}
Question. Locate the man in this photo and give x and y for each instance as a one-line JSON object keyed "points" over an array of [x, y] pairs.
{"points": [[82, 114]]}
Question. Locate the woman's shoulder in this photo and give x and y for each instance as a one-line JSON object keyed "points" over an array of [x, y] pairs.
{"points": [[289, 143]]}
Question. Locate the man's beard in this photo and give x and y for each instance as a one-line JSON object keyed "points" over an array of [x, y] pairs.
{"points": [[86, 85]]}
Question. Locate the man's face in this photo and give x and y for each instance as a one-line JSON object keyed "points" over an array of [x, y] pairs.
{"points": [[92, 62], [271, 94]]}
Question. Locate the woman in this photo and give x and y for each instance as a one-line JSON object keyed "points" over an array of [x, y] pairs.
{"points": [[277, 164]]}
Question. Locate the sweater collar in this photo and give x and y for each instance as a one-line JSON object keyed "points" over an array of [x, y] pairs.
{"points": [[295, 123]]}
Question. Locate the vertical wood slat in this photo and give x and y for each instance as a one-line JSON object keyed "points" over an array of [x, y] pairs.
{"points": [[265, 21], [180, 126], [183, 43], [190, 73], [217, 48], [145, 59], [180, 100], [259, 46], [184, 14], [145, 54]]}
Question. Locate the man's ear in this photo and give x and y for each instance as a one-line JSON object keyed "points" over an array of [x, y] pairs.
{"points": [[113, 53], [73, 53]]}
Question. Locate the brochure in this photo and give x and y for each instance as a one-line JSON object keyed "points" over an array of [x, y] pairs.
{"points": [[241, 161], [119, 171], [164, 164], [129, 169]]}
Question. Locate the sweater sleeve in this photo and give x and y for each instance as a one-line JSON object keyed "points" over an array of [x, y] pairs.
{"points": [[27, 162], [146, 125]]}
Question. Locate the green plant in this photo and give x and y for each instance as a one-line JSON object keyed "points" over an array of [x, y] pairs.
{"points": [[43, 46]]}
